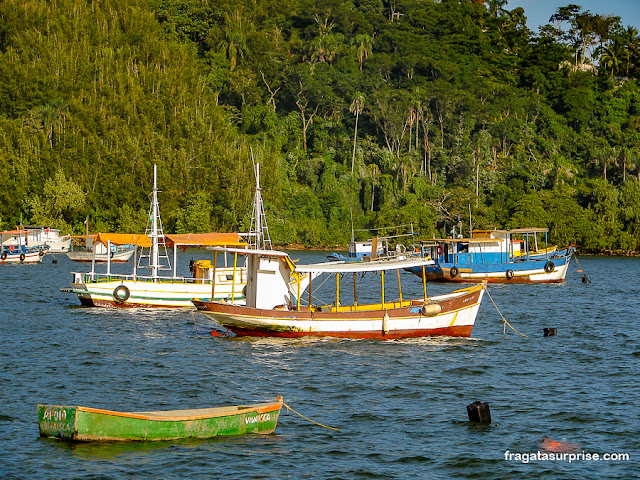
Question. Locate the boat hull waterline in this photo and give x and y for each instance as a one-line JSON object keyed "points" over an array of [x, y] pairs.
{"points": [[452, 315], [552, 271], [22, 257], [88, 257], [139, 294], [75, 423]]}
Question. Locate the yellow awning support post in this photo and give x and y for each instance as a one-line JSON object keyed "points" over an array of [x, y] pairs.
{"points": [[399, 286], [355, 291], [310, 280], [298, 277], [424, 285], [382, 284], [213, 275], [337, 291], [233, 281]]}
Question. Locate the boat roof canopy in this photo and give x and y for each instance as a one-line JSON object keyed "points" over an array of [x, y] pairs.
{"points": [[463, 240], [253, 251], [205, 239], [354, 267], [13, 232], [182, 239], [123, 239]]}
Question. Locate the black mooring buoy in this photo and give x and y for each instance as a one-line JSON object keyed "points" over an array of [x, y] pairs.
{"points": [[479, 412], [550, 332]]}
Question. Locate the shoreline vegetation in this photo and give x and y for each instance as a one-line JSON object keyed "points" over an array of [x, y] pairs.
{"points": [[362, 115]]}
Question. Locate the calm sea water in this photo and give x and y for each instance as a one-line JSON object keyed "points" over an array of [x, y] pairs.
{"points": [[400, 405]]}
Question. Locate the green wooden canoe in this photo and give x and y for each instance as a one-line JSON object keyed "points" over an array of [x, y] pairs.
{"points": [[93, 424]]}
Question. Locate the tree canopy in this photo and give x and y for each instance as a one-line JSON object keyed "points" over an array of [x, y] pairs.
{"points": [[363, 114]]}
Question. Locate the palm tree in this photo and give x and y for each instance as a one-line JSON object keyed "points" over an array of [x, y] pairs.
{"points": [[630, 38], [611, 59], [356, 108], [234, 42], [364, 45]]}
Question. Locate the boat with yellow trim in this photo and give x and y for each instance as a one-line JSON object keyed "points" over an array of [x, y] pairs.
{"points": [[273, 310]]}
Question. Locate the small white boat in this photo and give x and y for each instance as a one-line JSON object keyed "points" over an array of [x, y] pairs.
{"points": [[97, 252], [14, 249], [38, 236]]}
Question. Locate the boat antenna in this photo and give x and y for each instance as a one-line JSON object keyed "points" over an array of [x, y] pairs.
{"points": [[259, 237], [470, 224]]}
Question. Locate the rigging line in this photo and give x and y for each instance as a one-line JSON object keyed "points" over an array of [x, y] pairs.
{"points": [[504, 319], [323, 282], [307, 418], [193, 317]]}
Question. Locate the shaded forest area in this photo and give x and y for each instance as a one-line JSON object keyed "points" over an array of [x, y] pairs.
{"points": [[362, 113]]}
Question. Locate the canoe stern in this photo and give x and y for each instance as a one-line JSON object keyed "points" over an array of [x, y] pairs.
{"points": [[57, 421]]}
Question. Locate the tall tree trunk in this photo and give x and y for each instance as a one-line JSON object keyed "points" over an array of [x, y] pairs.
{"points": [[355, 135]]}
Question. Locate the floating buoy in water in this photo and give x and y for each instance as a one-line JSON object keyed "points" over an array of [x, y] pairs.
{"points": [[579, 271], [549, 445], [479, 412], [550, 332]]}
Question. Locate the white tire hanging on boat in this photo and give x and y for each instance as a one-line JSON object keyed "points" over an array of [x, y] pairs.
{"points": [[121, 294]]}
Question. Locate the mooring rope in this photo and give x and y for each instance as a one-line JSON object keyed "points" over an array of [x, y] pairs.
{"points": [[575, 255], [503, 319], [307, 418]]}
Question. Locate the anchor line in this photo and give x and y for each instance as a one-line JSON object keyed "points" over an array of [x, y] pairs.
{"points": [[575, 255], [307, 418], [499, 312]]}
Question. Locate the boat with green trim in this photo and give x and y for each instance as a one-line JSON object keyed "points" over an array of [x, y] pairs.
{"points": [[86, 424]]}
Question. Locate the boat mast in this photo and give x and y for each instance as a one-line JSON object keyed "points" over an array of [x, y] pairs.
{"points": [[259, 237], [155, 232], [155, 211]]}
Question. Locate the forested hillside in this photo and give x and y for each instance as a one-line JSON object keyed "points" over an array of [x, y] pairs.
{"points": [[367, 113]]}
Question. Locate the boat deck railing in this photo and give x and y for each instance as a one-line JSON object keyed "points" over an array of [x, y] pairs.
{"points": [[103, 277]]}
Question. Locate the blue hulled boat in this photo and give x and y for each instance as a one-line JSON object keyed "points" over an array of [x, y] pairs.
{"points": [[500, 256]]}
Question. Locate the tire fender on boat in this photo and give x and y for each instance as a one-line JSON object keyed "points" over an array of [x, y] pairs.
{"points": [[41, 252], [22, 257], [549, 266], [453, 271], [439, 249], [509, 274], [3, 256], [121, 297]]}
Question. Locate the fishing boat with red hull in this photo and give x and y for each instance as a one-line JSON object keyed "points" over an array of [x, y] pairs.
{"points": [[272, 310]]}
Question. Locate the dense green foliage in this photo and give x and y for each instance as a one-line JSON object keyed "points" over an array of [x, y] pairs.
{"points": [[367, 113]]}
